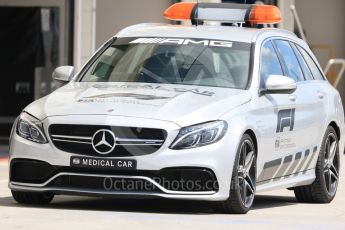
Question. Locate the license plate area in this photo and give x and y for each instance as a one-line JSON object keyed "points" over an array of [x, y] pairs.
{"points": [[103, 163]]}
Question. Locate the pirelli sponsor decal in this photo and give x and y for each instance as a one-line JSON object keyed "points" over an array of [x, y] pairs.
{"points": [[291, 165]]}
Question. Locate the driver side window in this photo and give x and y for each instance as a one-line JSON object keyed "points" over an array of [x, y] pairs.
{"points": [[269, 62]]}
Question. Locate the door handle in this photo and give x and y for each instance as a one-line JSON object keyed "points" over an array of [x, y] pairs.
{"points": [[320, 94], [292, 97]]}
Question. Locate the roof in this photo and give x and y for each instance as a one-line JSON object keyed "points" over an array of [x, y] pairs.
{"points": [[240, 34]]}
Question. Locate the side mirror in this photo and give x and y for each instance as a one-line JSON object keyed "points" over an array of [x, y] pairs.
{"points": [[280, 84], [63, 74]]}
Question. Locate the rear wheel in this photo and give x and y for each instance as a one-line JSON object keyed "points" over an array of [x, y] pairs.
{"points": [[32, 198], [325, 186], [243, 183]]}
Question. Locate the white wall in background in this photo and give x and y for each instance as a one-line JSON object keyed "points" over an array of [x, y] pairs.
{"points": [[112, 16], [324, 23], [84, 31], [288, 21]]}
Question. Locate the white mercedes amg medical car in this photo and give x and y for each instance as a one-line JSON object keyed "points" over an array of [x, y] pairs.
{"points": [[198, 112]]}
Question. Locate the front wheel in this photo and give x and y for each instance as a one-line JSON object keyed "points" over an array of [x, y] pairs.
{"points": [[32, 197], [325, 186], [243, 181]]}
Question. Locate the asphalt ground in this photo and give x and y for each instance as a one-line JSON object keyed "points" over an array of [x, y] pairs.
{"points": [[272, 210]]}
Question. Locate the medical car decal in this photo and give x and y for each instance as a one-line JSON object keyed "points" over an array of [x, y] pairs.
{"points": [[132, 95], [291, 165], [286, 118], [175, 89]]}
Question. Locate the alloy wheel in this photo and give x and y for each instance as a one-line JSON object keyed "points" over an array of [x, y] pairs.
{"points": [[331, 164], [247, 173]]}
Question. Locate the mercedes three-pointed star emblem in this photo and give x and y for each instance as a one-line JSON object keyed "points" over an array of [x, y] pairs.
{"points": [[103, 141]]}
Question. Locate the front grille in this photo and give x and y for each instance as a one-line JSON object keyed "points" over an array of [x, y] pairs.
{"points": [[191, 179], [104, 184], [129, 141]]}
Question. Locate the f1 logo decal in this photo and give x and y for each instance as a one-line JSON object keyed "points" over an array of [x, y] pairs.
{"points": [[286, 118]]}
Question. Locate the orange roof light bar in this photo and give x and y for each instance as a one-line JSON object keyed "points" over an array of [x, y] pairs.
{"points": [[180, 11], [224, 12], [264, 14]]}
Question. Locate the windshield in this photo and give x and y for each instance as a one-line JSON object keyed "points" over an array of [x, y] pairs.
{"points": [[173, 61]]}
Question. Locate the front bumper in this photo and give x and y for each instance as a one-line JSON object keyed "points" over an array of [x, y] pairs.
{"points": [[216, 158]]}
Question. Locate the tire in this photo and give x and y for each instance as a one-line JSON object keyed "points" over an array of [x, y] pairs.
{"points": [[242, 177], [324, 188], [32, 198]]}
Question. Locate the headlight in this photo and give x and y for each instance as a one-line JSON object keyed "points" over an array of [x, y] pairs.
{"points": [[200, 135], [31, 128]]}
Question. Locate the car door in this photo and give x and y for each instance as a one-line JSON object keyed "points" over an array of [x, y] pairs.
{"points": [[289, 137], [320, 86], [308, 107], [275, 117]]}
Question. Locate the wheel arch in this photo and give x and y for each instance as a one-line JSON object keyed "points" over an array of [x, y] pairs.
{"points": [[336, 128], [253, 136]]}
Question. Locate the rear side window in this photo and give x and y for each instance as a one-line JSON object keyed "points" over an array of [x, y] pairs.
{"points": [[305, 68], [270, 64], [313, 67], [293, 68]]}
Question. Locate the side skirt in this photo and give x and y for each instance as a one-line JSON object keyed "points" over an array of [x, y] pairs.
{"points": [[297, 179]]}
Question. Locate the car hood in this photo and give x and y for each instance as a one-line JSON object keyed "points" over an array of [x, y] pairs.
{"points": [[181, 104]]}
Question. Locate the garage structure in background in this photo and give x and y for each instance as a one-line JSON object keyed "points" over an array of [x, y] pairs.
{"points": [[35, 38], [21, 52], [39, 35]]}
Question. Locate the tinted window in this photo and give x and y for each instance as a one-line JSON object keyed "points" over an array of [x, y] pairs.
{"points": [[292, 65], [269, 62], [194, 63], [313, 67], [306, 71]]}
